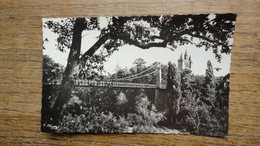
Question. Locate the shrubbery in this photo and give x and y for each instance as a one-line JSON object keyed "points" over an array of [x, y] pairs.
{"points": [[93, 120], [146, 118]]}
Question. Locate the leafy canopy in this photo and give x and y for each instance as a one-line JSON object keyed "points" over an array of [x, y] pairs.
{"points": [[210, 31]]}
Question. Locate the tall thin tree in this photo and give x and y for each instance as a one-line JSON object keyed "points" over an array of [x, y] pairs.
{"points": [[174, 93]]}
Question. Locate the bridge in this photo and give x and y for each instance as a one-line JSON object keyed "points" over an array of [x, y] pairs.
{"points": [[122, 82], [126, 82], [110, 84]]}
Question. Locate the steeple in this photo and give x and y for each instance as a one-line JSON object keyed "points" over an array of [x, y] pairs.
{"points": [[180, 63], [181, 57], [185, 55], [184, 63]]}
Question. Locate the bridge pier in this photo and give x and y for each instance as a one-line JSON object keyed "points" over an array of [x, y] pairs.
{"points": [[158, 84], [156, 97]]}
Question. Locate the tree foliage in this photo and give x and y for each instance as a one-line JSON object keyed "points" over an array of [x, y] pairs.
{"points": [[186, 82], [51, 70], [213, 31], [146, 117], [209, 86], [174, 95]]}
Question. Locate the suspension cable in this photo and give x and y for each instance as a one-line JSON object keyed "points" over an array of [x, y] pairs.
{"points": [[136, 74], [121, 79], [137, 77]]}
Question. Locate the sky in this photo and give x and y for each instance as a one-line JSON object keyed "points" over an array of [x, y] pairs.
{"points": [[126, 54]]}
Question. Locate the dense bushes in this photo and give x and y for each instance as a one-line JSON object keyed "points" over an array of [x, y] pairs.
{"points": [[93, 119], [146, 118]]}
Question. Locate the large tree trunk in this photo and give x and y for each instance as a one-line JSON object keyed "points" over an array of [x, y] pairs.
{"points": [[68, 79]]}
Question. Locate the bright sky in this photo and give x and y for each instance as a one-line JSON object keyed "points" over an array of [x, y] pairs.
{"points": [[126, 54]]}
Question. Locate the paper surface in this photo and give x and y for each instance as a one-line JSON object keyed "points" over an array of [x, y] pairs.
{"points": [[140, 74]]}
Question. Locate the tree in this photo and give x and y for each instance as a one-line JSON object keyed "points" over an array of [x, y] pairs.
{"points": [[222, 93], [146, 117], [207, 112], [186, 83], [213, 31], [51, 73], [51, 70], [174, 95], [209, 92], [197, 83], [139, 64]]}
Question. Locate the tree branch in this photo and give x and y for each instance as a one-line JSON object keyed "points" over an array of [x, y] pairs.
{"points": [[144, 45], [186, 40], [209, 40], [202, 37], [95, 47], [156, 37]]}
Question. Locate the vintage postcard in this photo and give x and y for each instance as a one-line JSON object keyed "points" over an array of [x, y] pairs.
{"points": [[138, 74]]}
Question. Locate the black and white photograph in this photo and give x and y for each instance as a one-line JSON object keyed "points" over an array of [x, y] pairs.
{"points": [[165, 74]]}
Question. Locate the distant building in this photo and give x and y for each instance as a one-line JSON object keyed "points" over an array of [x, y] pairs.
{"points": [[184, 62]]}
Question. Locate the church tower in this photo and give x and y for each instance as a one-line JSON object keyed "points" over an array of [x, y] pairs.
{"points": [[180, 63], [184, 63]]}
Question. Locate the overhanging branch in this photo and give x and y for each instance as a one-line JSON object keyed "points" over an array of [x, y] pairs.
{"points": [[95, 47], [144, 45], [202, 37], [147, 45], [208, 39]]}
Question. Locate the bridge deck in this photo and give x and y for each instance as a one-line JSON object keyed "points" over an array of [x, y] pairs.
{"points": [[89, 83]]}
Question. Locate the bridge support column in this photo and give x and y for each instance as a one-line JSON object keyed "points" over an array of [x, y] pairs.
{"points": [[156, 98], [158, 83]]}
